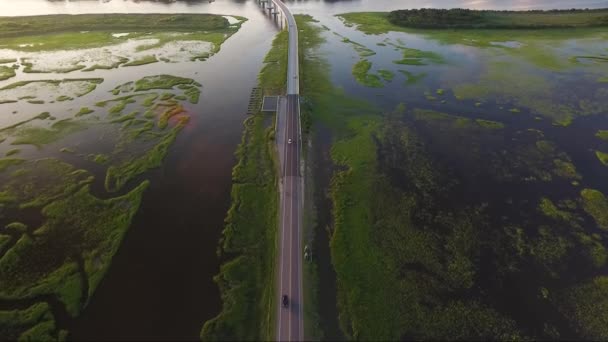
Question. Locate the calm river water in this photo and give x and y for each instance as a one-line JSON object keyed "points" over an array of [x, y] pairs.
{"points": [[160, 284]]}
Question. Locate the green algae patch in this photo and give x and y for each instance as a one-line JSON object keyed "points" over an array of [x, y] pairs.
{"points": [[160, 82], [63, 98], [596, 205], [602, 157], [6, 72], [39, 136], [84, 111], [602, 134], [362, 76], [40, 182], [91, 231], [584, 306], [142, 61], [34, 323], [8, 60]]}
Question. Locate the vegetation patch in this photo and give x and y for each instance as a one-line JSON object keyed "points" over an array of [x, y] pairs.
{"points": [[362, 75], [91, 231], [418, 57], [6, 72], [142, 61], [160, 82], [39, 136], [84, 111], [466, 18], [596, 205], [41, 181], [602, 156], [586, 305], [35, 323]]}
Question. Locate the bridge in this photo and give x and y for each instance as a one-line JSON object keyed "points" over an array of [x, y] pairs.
{"points": [[290, 322]]}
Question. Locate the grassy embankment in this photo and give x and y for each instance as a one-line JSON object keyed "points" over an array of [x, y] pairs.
{"points": [[247, 278], [409, 261]]}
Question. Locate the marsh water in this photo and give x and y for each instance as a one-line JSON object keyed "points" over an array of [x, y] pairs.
{"points": [[160, 285]]}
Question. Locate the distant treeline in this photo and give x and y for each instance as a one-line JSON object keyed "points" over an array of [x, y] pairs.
{"points": [[466, 18]]}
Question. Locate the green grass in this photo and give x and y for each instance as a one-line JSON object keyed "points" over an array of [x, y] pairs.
{"points": [[362, 76], [419, 57], [91, 229], [475, 19], [274, 70], [6, 72], [596, 205], [63, 31], [7, 60], [114, 65], [247, 278], [39, 182], [118, 175], [379, 22], [142, 61], [387, 75], [586, 305], [101, 158], [5, 163], [411, 77], [12, 152], [84, 111], [160, 82], [34, 323], [163, 119], [490, 124], [602, 134], [39, 136], [63, 98], [602, 157]]}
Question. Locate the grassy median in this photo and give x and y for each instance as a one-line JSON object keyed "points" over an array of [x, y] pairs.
{"points": [[247, 277]]}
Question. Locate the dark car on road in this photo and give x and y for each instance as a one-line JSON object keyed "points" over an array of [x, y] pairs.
{"points": [[285, 301]]}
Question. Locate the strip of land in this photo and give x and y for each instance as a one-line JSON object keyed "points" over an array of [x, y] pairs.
{"points": [[466, 18]]}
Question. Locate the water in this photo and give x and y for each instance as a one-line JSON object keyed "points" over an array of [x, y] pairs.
{"points": [[160, 283]]}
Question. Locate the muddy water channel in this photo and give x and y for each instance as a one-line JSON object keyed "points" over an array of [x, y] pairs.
{"points": [[159, 285]]}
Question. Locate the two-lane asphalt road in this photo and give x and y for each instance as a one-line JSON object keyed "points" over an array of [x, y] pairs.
{"points": [[289, 319], [290, 326]]}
